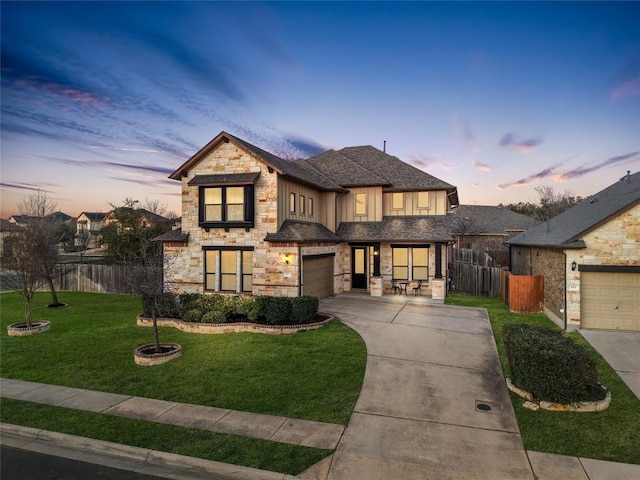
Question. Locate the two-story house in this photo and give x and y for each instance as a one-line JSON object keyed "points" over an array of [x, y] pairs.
{"points": [[88, 225], [356, 219]]}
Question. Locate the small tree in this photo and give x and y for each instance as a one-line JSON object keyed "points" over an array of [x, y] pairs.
{"points": [[20, 257], [82, 240]]}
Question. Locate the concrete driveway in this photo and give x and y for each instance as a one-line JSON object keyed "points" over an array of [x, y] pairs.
{"points": [[621, 350], [433, 404]]}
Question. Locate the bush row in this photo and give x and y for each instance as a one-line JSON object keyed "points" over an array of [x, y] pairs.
{"points": [[550, 365], [193, 307]]}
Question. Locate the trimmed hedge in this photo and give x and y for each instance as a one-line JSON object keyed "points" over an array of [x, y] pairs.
{"points": [[550, 366], [214, 308]]}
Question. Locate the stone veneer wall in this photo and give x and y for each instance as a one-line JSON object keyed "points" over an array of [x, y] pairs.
{"points": [[617, 242], [185, 269]]}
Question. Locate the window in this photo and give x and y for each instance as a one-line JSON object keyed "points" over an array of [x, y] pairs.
{"points": [[210, 264], [292, 202], [302, 204], [228, 269], [420, 261], [230, 206], [361, 203], [400, 263], [423, 199], [397, 201], [310, 207]]}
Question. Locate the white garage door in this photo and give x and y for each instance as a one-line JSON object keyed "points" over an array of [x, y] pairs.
{"points": [[317, 276], [610, 300]]}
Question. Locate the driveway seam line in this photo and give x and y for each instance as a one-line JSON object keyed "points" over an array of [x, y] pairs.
{"points": [[422, 362], [399, 311]]}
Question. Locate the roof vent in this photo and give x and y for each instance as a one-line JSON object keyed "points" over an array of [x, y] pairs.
{"points": [[593, 200]]}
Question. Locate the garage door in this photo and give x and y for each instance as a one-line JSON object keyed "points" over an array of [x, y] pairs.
{"points": [[610, 300], [317, 276]]}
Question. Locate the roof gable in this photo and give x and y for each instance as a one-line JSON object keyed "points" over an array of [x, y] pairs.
{"points": [[565, 230]]}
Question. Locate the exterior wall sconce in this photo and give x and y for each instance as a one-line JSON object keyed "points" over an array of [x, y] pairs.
{"points": [[574, 265], [375, 252], [286, 258]]}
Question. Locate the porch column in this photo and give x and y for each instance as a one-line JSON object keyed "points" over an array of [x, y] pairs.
{"points": [[438, 260]]}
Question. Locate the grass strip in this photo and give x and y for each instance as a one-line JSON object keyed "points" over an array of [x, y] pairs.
{"points": [[314, 375], [610, 435], [249, 452]]}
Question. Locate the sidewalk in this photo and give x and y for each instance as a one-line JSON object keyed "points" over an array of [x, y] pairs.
{"points": [[246, 424]]}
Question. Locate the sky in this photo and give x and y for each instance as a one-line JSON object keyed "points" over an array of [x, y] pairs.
{"points": [[101, 101]]}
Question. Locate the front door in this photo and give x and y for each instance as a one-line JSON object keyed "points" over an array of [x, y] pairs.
{"points": [[359, 267]]}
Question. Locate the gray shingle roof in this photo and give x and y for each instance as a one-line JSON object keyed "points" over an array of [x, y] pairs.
{"points": [[172, 236], [434, 228], [344, 171], [491, 219], [297, 231], [94, 216], [565, 230], [225, 179]]}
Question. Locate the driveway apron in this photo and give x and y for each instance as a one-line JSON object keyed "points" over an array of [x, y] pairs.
{"points": [[433, 403]]}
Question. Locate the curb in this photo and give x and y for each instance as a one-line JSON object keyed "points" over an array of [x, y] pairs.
{"points": [[143, 456]]}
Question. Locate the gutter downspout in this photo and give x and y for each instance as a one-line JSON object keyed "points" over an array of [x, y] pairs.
{"points": [[565, 291]]}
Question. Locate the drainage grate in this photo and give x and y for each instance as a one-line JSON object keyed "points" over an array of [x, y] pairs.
{"points": [[483, 406]]}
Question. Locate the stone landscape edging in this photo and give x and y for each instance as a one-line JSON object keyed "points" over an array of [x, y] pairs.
{"points": [[240, 327], [596, 406]]}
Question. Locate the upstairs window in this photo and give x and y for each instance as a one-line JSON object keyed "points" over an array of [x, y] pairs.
{"points": [[310, 207], [397, 201], [226, 206], [423, 199], [302, 204], [361, 203], [292, 202]]}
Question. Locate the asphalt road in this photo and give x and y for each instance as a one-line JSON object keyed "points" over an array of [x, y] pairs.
{"points": [[16, 464]]}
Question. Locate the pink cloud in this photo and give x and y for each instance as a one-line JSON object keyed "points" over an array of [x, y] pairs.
{"points": [[483, 167], [630, 88]]}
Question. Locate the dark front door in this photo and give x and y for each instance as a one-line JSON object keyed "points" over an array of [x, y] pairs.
{"points": [[359, 267]]}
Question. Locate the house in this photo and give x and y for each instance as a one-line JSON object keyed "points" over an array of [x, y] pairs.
{"points": [[145, 217], [590, 258], [348, 220], [88, 225], [7, 229], [487, 227]]}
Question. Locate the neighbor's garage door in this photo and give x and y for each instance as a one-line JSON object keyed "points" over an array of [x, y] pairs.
{"points": [[610, 300], [317, 276]]}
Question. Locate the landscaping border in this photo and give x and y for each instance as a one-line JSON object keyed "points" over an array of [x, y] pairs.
{"points": [[531, 404], [239, 327]]}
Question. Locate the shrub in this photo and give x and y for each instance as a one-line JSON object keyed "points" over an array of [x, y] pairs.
{"points": [[194, 315], [278, 310], [167, 305], [245, 305], [187, 302], [257, 311], [214, 316], [304, 309], [549, 365]]}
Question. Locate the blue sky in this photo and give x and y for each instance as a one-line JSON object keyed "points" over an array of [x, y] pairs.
{"points": [[101, 101]]}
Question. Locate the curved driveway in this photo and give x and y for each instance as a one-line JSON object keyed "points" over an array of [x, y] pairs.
{"points": [[432, 372]]}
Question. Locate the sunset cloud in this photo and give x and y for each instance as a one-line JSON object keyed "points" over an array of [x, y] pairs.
{"points": [[630, 88], [483, 167], [547, 172], [583, 170], [518, 144]]}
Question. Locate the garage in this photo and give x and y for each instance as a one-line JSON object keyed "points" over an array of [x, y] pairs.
{"points": [[317, 275], [610, 300]]}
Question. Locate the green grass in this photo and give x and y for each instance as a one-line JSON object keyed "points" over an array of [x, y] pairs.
{"points": [[608, 435], [249, 452], [314, 375]]}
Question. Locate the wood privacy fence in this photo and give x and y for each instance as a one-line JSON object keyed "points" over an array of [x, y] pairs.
{"points": [[525, 293], [472, 272], [95, 278]]}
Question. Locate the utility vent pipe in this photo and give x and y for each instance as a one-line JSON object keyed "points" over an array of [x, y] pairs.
{"points": [[384, 146]]}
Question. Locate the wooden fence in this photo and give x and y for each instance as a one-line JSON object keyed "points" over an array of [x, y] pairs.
{"points": [[526, 293], [472, 272], [95, 278]]}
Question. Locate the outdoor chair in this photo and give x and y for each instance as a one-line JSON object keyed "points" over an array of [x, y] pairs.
{"points": [[417, 290], [395, 287]]}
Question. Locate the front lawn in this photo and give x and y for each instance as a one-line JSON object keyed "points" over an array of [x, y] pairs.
{"points": [[314, 375], [609, 435]]}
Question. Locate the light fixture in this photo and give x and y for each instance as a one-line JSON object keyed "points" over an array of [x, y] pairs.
{"points": [[286, 258], [574, 265], [375, 252]]}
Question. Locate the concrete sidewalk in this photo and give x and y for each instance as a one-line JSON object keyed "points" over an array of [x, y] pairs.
{"points": [[267, 427]]}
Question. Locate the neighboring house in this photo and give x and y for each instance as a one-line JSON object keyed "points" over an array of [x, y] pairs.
{"points": [[91, 223], [20, 220], [590, 258], [23, 220], [480, 226], [345, 220], [7, 228], [147, 218]]}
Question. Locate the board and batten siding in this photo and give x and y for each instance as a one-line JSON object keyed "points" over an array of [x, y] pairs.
{"points": [[320, 200], [346, 205], [438, 204]]}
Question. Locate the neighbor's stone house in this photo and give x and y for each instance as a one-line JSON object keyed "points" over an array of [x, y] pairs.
{"points": [[589, 256]]}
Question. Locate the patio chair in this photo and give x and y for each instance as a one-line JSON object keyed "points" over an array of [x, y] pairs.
{"points": [[395, 287], [417, 289]]}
